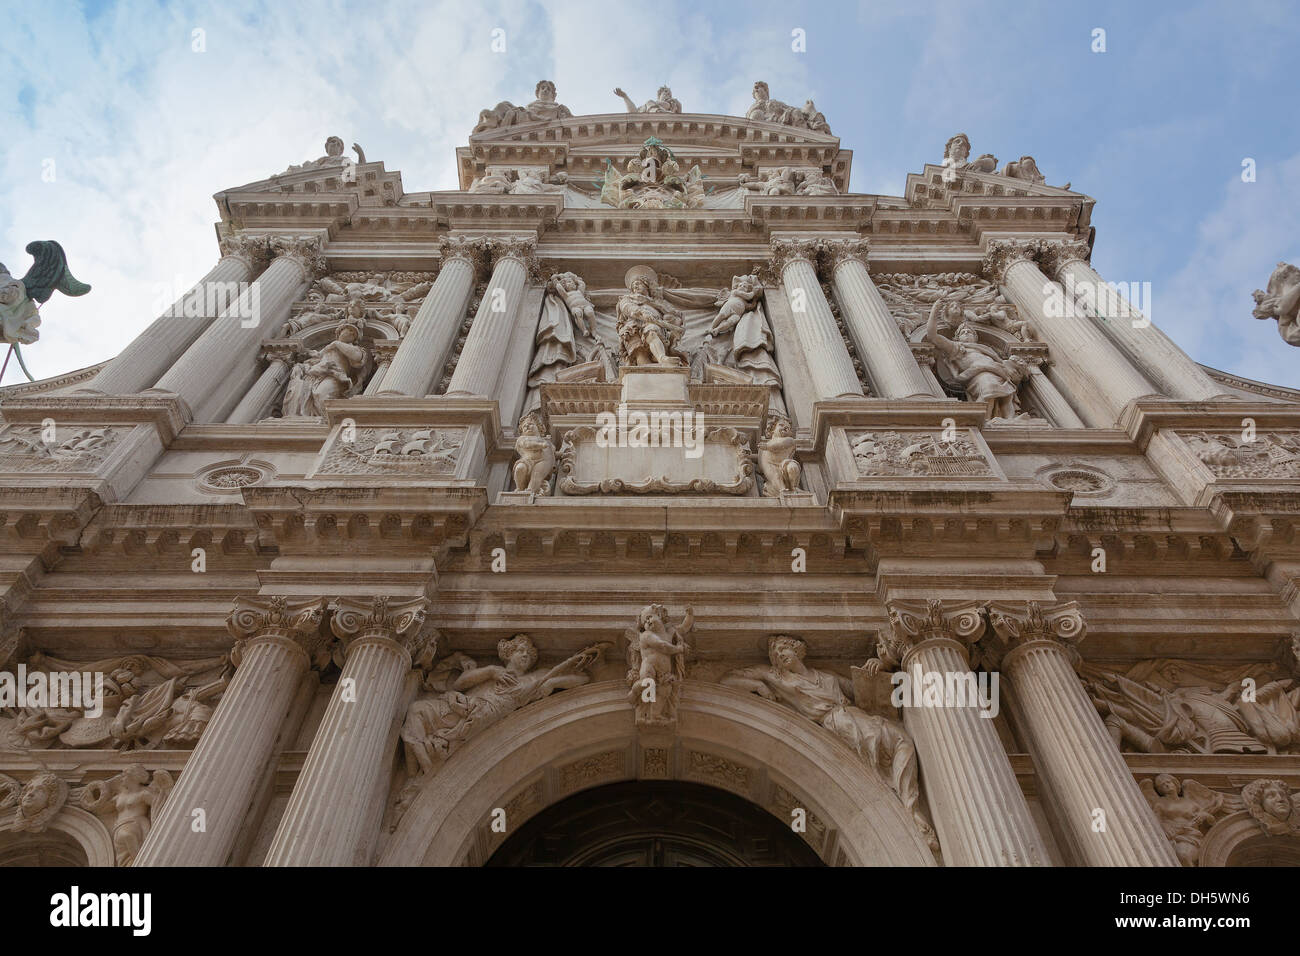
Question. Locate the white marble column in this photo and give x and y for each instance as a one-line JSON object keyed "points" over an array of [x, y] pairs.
{"points": [[154, 350], [385, 352], [337, 805], [234, 338], [1163, 362], [1049, 401], [488, 342], [979, 810], [876, 337], [279, 356], [276, 641], [428, 342], [819, 334], [1098, 375], [1099, 807]]}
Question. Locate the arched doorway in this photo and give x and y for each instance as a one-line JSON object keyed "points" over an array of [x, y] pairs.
{"points": [[654, 823]]}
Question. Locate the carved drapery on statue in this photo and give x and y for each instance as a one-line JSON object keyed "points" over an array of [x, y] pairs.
{"points": [[768, 110], [656, 665], [541, 110], [339, 370]]}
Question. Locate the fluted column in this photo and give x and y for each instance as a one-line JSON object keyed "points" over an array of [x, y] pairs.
{"points": [[335, 810], [427, 343], [154, 350], [489, 337], [1163, 362], [1081, 769], [276, 642], [1099, 376], [1048, 398], [978, 807], [385, 352], [279, 356], [819, 335], [234, 338], [876, 336]]}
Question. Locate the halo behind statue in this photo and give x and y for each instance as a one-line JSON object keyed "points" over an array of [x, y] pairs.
{"points": [[640, 272]]}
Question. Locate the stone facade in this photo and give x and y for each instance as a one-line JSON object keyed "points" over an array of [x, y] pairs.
{"points": [[651, 454]]}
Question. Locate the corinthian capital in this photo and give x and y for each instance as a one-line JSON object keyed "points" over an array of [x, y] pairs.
{"points": [[1001, 254], [470, 250], [915, 622], [1055, 255], [521, 249], [839, 251], [277, 616], [1016, 625], [303, 250], [787, 251], [356, 619], [250, 250]]}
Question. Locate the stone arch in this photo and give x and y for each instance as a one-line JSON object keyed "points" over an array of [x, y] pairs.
{"points": [[1238, 840], [587, 737], [73, 829]]}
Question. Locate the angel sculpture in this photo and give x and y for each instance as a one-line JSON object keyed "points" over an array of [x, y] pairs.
{"points": [[742, 297], [134, 799], [1185, 815], [1281, 301], [466, 699], [573, 290], [656, 664], [18, 297]]}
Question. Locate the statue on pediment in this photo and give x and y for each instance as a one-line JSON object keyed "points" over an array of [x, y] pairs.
{"points": [[541, 110], [767, 110], [956, 156], [662, 103], [1024, 169], [333, 157], [18, 297], [1281, 302]]}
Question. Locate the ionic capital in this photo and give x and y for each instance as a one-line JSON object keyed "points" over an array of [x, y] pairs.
{"points": [[304, 251], [1017, 625], [402, 622], [915, 623], [275, 616], [1001, 254], [1054, 256]]}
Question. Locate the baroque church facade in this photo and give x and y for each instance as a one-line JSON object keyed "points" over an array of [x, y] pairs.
{"points": [[651, 499]]}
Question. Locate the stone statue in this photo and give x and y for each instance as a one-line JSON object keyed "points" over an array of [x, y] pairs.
{"points": [[1281, 301], [649, 328], [767, 110], [466, 699], [1275, 808], [1185, 812], [956, 156], [18, 297], [662, 103], [541, 110], [652, 180], [735, 302], [380, 287], [776, 458], [134, 799], [656, 664], [332, 372], [741, 316], [823, 698], [1026, 169], [35, 803], [1273, 717], [816, 183], [986, 377], [532, 472], [531, 182], [573, 290], [333, 156]]}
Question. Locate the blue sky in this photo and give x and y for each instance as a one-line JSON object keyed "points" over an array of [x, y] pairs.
{"points": [[142, 129]]}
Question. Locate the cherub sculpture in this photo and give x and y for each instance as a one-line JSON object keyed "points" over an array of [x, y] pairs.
{"points": [[35, 803], [18, 297], [134, 797], [656, 661], [1185, 812], [532, 472], [1275, 808], [776, 458], [573, 290], [1281, 301], [742, 297]]}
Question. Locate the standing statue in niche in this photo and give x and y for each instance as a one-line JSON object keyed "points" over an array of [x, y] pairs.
{"points": [[134, 798], [662, 103], [649, 328], [532, 472], [1281, 301], [824, 698], [986, 377], [656, 662], [332, 372], [466, 699]]}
